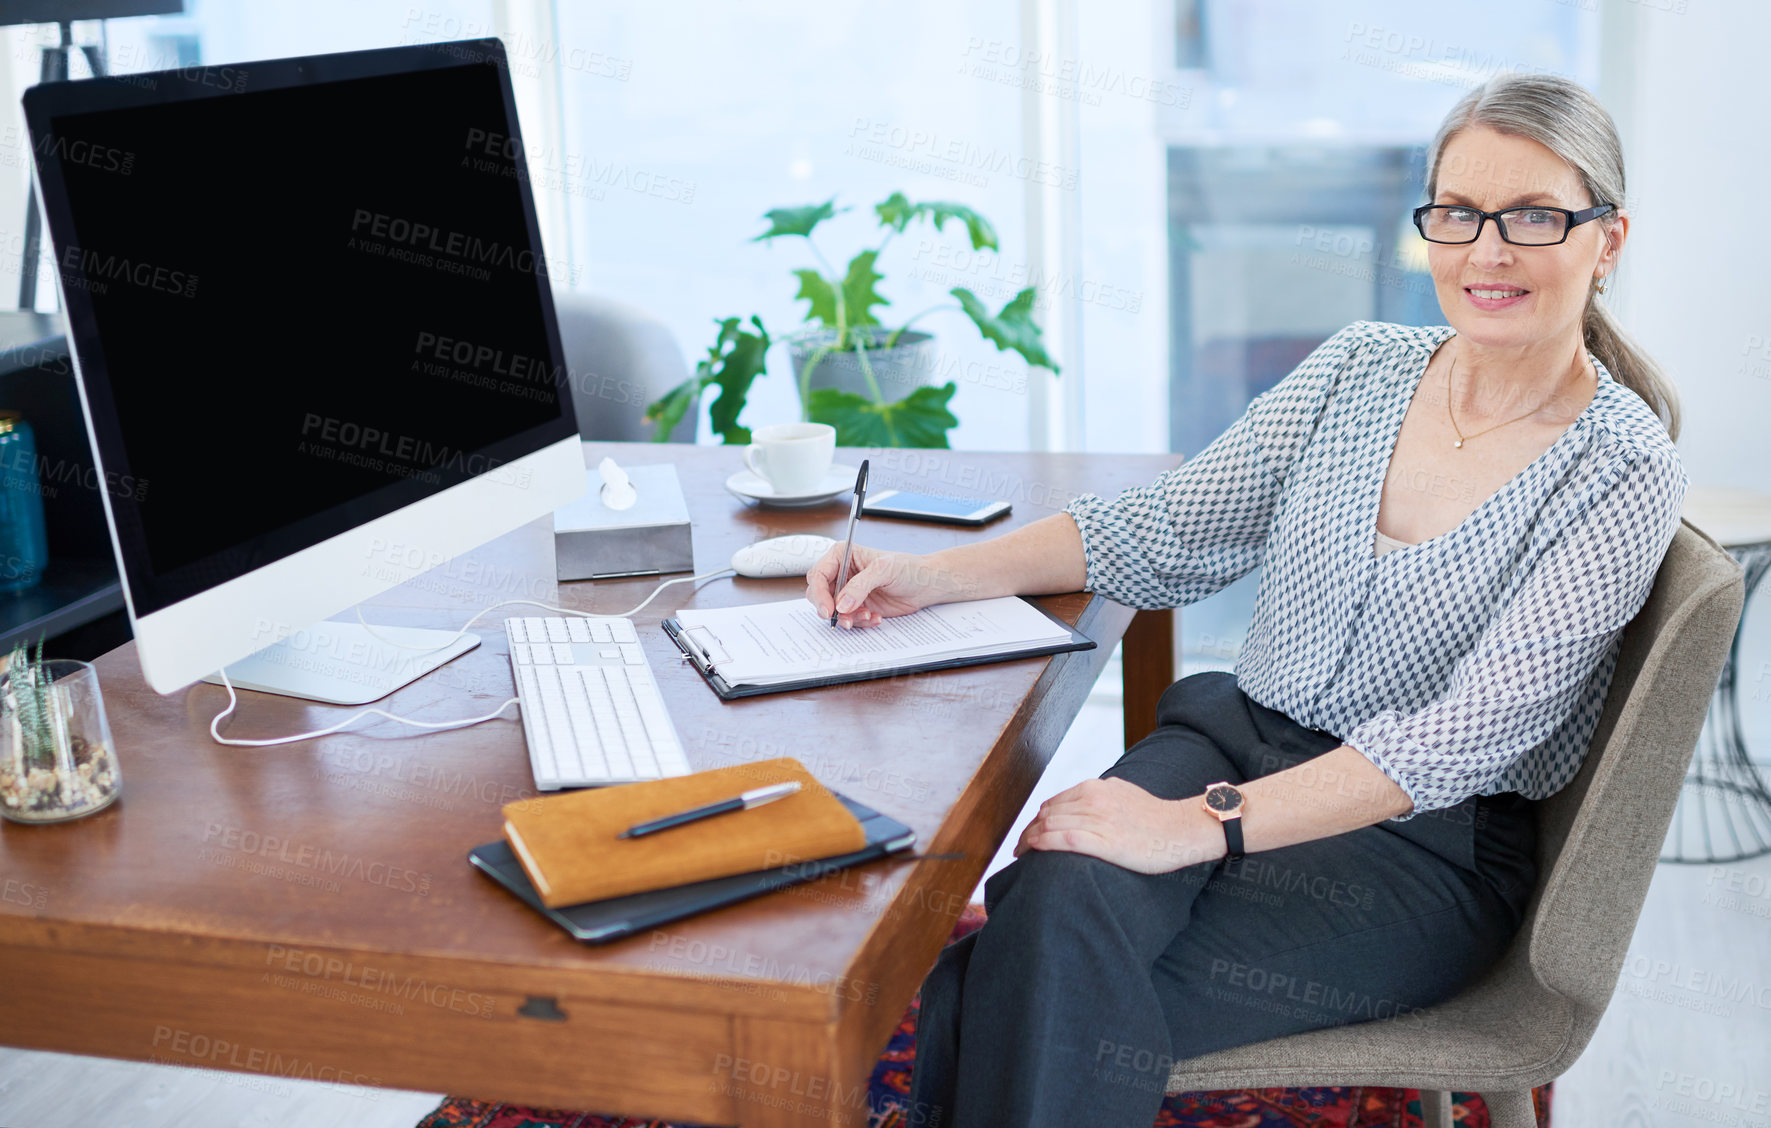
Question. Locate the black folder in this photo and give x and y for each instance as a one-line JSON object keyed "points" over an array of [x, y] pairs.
{"points": [[727, 692], [597, 922]]}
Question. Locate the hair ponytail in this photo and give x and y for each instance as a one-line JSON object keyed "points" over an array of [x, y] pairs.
{"points": [[1628, 364]]}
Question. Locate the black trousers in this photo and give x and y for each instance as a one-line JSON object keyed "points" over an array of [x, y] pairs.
{"points": [[1088, 980]]}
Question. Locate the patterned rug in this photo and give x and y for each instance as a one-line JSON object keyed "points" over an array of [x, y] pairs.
{"points": [[889, 1087]]}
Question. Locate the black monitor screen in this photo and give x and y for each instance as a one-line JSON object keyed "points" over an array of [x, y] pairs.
{"points": [[300, 308]]}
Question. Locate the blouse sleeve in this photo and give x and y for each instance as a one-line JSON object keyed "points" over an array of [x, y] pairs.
{"points": [[1526, 673], [1202, 525]]}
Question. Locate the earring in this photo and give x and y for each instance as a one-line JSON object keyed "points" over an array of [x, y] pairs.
{"points": [[1599, 283]]}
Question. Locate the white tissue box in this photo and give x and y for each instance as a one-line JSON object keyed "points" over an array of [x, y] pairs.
{"points": [[592, 541]]}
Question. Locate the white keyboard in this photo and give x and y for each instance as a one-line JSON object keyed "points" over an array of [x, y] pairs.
{"points": [[591, 708]]}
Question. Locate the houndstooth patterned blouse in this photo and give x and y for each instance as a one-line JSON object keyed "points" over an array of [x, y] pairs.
{"points": [[1473, 663]]}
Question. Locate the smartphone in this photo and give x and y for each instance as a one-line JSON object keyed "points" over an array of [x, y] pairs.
{"points": [[927, 507]]}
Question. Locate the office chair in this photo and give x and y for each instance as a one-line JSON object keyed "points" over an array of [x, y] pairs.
{"points": [[621, 359], [1530, 1017]]}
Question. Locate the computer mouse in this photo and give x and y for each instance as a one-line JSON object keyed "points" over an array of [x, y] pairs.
{"points": [[782, 556]]}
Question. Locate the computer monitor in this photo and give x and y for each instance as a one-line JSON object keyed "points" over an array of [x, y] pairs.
{"points": [[315, 344]]}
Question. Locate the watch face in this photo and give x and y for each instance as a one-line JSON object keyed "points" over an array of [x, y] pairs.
{"points": [[1223, 798]]}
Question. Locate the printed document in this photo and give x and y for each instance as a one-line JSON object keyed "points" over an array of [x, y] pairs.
{"points": [[770, 643]]}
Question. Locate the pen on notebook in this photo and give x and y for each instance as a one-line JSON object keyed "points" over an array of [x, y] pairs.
{"points": [[755, 797], [842, 575]]}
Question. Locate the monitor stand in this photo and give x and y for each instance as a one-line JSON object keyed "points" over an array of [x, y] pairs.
{"points": [[343, 664]]}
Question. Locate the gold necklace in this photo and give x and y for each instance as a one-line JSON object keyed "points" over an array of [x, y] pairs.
{"points": [[1459, 441]]}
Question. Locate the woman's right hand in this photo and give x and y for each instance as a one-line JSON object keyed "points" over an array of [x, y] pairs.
{"points": [[1037, 559], [881, 584]]}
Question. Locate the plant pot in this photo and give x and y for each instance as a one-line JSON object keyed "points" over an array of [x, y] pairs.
{"points": [[57, 761], [899, 370]]}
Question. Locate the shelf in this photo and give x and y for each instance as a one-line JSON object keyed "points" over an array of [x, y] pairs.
{"points": [[30, 335], [72, 594]]}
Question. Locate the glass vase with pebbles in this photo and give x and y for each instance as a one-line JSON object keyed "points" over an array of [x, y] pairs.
{"points": [[57, 760]]}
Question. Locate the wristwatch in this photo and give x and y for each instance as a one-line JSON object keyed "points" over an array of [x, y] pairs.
{"points": [[1224, 803]]}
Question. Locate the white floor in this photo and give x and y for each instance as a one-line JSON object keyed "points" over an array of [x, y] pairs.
{"points": [[1686, 1041], [62, 1090]]}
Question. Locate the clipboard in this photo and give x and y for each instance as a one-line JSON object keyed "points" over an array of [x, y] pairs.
{"points": [[598, 922], [703, 652]]}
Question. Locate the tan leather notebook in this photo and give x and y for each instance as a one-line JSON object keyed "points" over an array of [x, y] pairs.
{"points": [[569, 849]]}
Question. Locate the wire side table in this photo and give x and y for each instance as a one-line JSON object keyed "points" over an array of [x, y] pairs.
{"points": [[1724, 811]]}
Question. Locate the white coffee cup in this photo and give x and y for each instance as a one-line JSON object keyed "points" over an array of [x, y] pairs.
{"points": [[794, 458]]}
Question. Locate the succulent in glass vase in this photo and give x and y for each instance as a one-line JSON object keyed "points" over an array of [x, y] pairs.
{"points": [[56, 757]]}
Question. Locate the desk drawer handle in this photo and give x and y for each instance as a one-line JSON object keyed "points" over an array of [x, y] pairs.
{"points": [[544, 1008]]}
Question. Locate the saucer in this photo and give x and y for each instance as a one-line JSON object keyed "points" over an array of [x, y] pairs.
{"points": [[752, 487]]}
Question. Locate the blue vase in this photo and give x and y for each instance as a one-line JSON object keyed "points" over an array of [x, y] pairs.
{"points": [[24, 545]]}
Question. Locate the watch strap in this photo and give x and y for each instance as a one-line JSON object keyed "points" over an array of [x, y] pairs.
{"points": [[1233, 835]]}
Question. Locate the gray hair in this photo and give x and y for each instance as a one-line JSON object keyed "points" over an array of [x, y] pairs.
{"points": [[1564, 117]]}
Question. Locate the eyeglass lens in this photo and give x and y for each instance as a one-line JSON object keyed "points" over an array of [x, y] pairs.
{"points": [[1528, 226]]}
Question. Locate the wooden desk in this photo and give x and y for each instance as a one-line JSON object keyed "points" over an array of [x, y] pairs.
{"points": [[307, 911]]}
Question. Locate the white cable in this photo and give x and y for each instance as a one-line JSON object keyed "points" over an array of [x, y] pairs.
{"points": [[537, 603], [215, 723], [233, 699]]}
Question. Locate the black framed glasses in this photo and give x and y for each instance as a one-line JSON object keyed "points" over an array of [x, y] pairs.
{"points": [[1534, 225]]}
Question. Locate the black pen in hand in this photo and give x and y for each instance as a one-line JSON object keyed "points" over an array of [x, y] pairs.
{"points": [[842, 575], [755, 797]]}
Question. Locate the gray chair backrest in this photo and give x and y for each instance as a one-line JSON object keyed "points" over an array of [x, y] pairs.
{"points": [[619, 359], [1599, 838]]}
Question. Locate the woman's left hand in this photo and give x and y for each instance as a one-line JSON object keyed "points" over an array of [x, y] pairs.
{"points": [[1119, 822]]}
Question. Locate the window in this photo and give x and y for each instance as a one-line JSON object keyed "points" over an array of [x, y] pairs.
{"points": [[677, 143]]}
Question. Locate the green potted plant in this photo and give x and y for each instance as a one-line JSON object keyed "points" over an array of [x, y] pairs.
{"points": [[851, 368]]}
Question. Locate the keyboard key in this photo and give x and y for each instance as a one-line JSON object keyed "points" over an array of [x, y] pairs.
{"points": [[623, 629], [600, 631], [602, 707], [590, 745], [628, 715], [556, 630], [513, 630], [578, 629], [535, 727], [620, 755], [562, 653], [534, 629], [633, 655], [559, 727], [657, 721], [519, 653]]}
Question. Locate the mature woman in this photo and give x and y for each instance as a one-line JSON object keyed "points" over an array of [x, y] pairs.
{"points": [[1456, 523]]}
